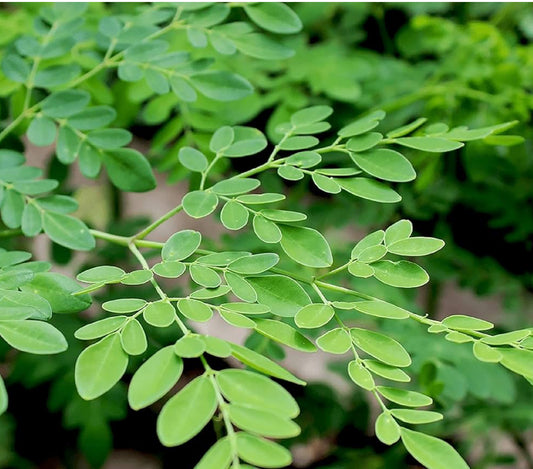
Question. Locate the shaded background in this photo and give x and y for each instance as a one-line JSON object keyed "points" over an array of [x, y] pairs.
{"points": [[462, 64]]}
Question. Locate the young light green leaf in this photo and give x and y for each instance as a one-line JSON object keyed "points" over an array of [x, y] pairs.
{"points": [[221, 139], [155, 377], [216, 347], [189, 347], [181, 245], [97, 329], [415, 416], [402, 274], [387, 430], [404, 397], [385, 164], [246, 308], [431, 452], [124, 305], [276, 18], [235, 186], [234, 215], [261, 452], [129, 170], [398, 231], [285, 334], [310, 115], [195, 310], [364, 142], [137, 277], [237, 319], [266, 230], [260, 363], [99, 367], [382, 309], [33, 336], [159, 314], [101, 274], [240, 287], [67, 231], [387, 371], [381, 347], [42, 131], [506, 338], [460, 321], [252, 389], [262, 422], [282, 294], [314, 315], [199, 204], [306, 246], [247, 141], [221, 85], [518, 361], [255, 264], [204, 276], [169, 269], [186, 413], [133, 338], [369, 189], [431, 144], [416, 246], [360, 375], [219, 456], [3, 397], [336, 341], [192, 159]]}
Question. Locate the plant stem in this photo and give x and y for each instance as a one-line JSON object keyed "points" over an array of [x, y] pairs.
{"points": [[142, 234]]}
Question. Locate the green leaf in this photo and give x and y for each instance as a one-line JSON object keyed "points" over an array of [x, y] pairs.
{"points": [[216, 347], [169, 269], [305, 159], [15, 304], [3, 397], [252, 389], [282, 294], [204, 276], [285, 334], [90, 161], [255, 264], [155, 377], [221, 139], [415, 416], [362, 125], [416, 246], [246, 308], [93, 118], [381, 309], [262, 422], [336, 341], [33, 336], [266, 230], [65, 103], [101, 274], [306, 246], [381, 347], [192, 159], [506, 338], [387, 430], [12, 208], [310, 115], [241, 288], [326, 184], [247, 141], [189, 347], [274, 17], [403, 274], [109, 139], [364, 142], [195, 310], [34, 187], [372, 239], [221, 259], [406, 129], [299, 143], [16, 68], [369, 189], [259, 199], [129, 170], [58, 290], [186, 413], [431, 144], [42, 131], [235, 186], [398, 231], [261, 452], [262, 364], [137, 277], [222, 85], [404, 397], [124, 305], [159, 314], [460, 321], [56, 75], [290, 173], [360, 269], [314, 315], [260, 46], [100, 366], [182, 89], [181, 245], [199, 204], [234, 215], [372, 254], [518, 361], [360, 375], [133, 338], [431, 452], [97, 329], [385, 164], [219, 456], [67, 231], [237, 320]]}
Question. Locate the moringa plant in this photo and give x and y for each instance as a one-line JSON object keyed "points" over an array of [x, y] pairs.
{"points": [[291, 291]]}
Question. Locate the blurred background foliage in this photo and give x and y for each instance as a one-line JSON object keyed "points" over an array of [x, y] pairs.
{"points": [[458, 63]]}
